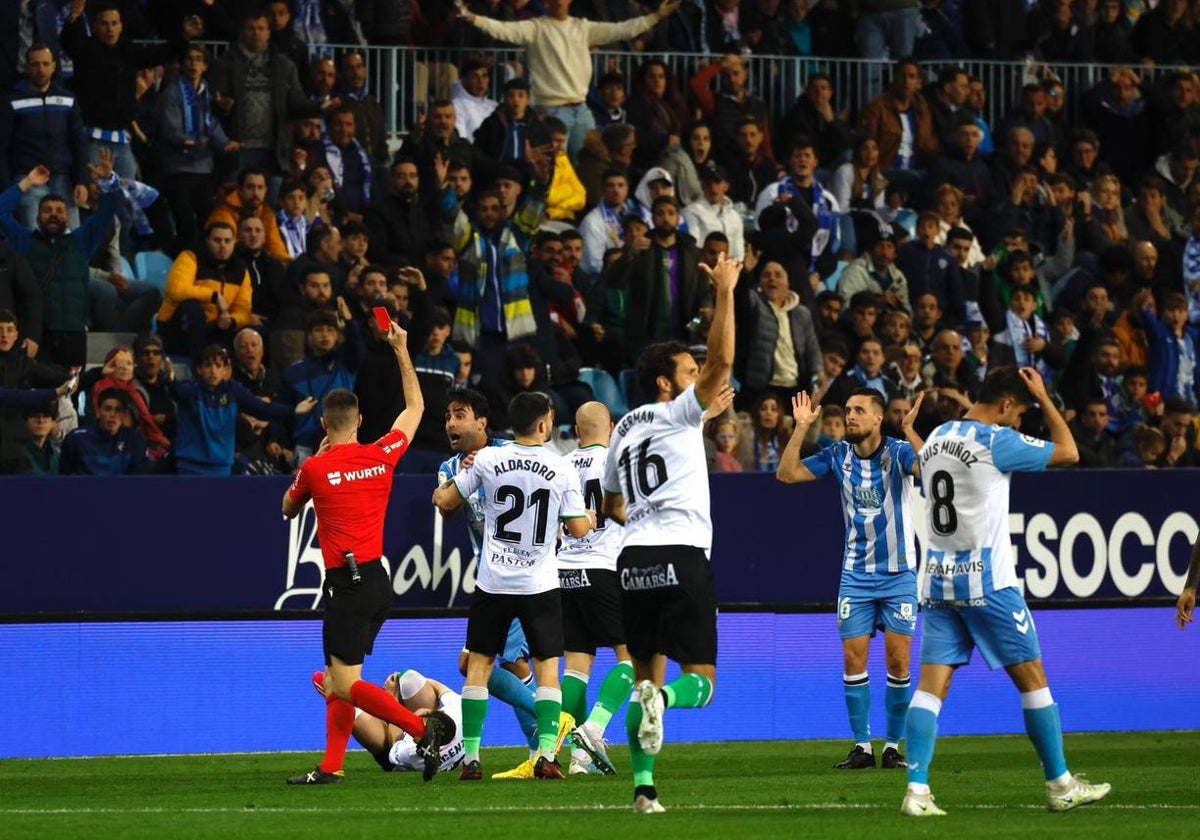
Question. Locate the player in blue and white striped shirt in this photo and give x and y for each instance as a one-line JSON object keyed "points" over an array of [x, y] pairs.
{"points": [[879, 580], [970, 595]]}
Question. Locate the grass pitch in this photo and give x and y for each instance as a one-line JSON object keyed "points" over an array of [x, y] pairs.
{"points": [[991, 786]]}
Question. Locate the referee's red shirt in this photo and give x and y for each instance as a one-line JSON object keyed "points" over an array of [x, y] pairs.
{"points": [[350, 486]]}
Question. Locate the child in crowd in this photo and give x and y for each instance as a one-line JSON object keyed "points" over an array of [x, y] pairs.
{"points": [[293, 218], [567, 196], [726, 435]]}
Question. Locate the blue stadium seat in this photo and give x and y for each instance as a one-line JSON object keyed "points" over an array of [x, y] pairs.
{"points": [[153, 267], [127, 269], [629, 388], [605, 388]]}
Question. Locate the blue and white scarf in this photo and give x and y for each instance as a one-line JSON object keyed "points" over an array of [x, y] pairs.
{"points": [[1017, 333], [295, 232], [1191, 279], [337, 166], [310, 28]]}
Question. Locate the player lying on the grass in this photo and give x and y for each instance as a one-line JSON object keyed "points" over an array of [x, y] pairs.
{"points": [[878, 587], [526, 488], [969, 593], [394, 749], [1186, 605], [467, 432]]}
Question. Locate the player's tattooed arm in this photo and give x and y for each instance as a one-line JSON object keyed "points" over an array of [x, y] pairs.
{"points": [[791, 468], [1186, 606], [910, 433]]}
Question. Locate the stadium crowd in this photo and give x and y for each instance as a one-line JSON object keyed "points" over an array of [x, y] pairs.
{"points": [[538, 226]]}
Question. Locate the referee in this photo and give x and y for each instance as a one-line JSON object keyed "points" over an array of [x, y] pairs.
{"points": [[350, 484]]}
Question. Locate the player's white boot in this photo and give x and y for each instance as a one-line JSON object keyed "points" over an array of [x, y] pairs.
{"points": [[646, 805], [920, 805], [1074, 792], [650, 731], [581, 765], [589, 741]]}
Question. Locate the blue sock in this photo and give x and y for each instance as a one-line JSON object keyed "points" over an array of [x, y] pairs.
{"points": [[858, 705], [1044, 728], [508, 687], [896, 701], [920, 734]]}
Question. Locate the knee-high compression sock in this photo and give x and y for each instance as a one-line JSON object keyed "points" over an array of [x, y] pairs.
{"points": [[690, 691], [896, 699], [1044, 728], [574, 694], [375, 701], [920, 733], [857, 688], [549, 706], [508, 687], [339, 724], [474, 712], [643, 765], [614, 691]]}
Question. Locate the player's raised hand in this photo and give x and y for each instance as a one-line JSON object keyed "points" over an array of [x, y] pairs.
{"points": [[720, 403], [1185, 608], [909, 419], [1037, 386], [804, 410], [726, 273]]}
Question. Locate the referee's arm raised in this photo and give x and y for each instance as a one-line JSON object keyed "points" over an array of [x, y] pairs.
{"points": [[791, 469], [414, 401], [719, 363]]}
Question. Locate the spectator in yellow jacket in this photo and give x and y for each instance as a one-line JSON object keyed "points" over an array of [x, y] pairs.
{"points": [[567, 196], [208, 296]]}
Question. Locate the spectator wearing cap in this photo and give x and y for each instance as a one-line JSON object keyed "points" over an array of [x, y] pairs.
{"points": [[118, 374], [18, 370], [208, 295], [514, 127], [601, 228], [209, 404], [109, 446], [560, 63], [715, 212], [151, 368], [41, 450], [469, 94], [875, 269]]}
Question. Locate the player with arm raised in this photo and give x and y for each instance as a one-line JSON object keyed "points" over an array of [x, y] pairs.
{"points": [[528, 490], [878, 588], [970, 594], [656, 483], [591, 601], [350, 484]]}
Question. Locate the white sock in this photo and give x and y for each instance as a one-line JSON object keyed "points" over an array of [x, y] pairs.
{"points": [[892, 745], [918, 788], [1061, 781], [866, 745]]}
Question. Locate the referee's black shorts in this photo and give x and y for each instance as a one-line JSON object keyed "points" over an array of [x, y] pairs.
{"points": [[669, 603], [540, 616], [591, 607], [354, 612]]}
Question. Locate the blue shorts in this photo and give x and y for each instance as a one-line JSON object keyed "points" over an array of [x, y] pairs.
{"points": [[870, 602], [516, 647], [1001, 627]]}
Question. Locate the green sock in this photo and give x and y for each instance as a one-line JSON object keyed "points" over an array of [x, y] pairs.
{"points": [[474, 711], [548, 705], [690, 691], [643, 765], [574, 695], [613, 692]]}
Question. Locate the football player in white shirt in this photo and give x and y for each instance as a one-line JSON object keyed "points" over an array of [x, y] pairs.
{"points": [[656, 483], [970, 594], [591, 603], [392, 748], [528, 490]]}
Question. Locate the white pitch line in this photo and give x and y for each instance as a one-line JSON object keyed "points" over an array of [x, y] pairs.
{"points": [[519, 809]]}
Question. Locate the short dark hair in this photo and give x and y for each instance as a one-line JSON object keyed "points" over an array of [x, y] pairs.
{"points": [[247, 171], [340, 408], [113, 394], [317, 236], [470, 398], [213, 352], [874, 396], [439, 317], [959, 233], [663, 201], [716, 236], [46, 199], [526, 409], [291, 186], [614, 173], [1176, 405], [354, 229], [7, 317], [1002, 383], [555, 126], [543, 236], [658, 360], [1136, 370], [321, 318], [570, 234]]}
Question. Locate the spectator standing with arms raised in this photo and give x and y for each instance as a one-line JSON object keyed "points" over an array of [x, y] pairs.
{"points": [[560, 64]]}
